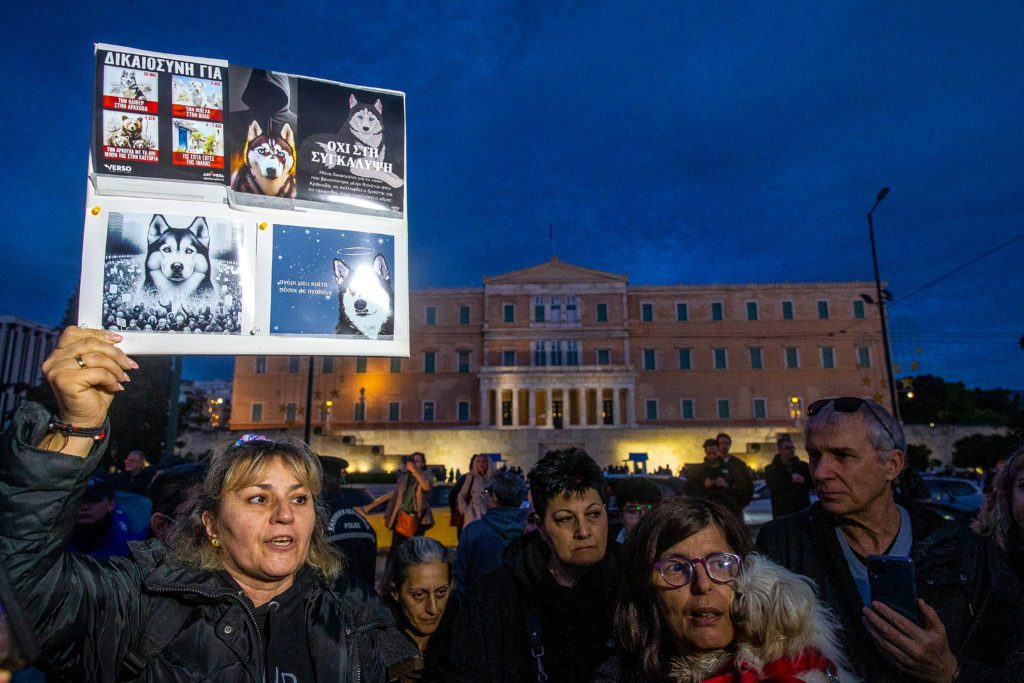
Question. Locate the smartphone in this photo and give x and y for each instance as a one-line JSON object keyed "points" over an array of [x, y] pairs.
{"points": [[893, 584], [17, 648]]}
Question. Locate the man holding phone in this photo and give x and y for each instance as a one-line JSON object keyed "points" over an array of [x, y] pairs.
{"points": [[971, 625]]}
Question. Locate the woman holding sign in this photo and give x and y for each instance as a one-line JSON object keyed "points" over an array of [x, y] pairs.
{"points": [[242, 592]]}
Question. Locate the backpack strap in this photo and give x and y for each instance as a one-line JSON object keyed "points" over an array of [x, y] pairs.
{"points": [[159, 630], [533, 633]]}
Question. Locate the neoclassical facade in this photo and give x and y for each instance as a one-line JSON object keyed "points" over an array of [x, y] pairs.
{"points": [[561, 354]]}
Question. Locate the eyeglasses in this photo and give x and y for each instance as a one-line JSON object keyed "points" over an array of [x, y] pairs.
{"points": [[679, 571], [634, 510], [849, 404]]}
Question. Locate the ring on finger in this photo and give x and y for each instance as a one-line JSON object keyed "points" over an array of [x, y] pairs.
{"points": [[80, 361]]}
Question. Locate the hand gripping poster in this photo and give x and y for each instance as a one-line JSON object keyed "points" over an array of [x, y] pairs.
{"points": [[244, 211]]}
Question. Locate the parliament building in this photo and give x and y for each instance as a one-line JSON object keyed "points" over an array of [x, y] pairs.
{"points": [[559, 355]]}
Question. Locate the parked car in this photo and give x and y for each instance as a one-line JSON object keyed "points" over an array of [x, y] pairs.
{"points": [[442, 530], [953, 498]]}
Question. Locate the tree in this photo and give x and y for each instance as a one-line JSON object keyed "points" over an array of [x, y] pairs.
{"points": [[936, 400], [917, 456], [983, 450]]}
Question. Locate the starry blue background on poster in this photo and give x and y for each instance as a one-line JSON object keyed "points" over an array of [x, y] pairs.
{"points": [[304, 260]]}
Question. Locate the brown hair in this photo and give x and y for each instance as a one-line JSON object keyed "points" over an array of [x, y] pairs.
{"points": [[638, 622], [235, 466], [996, 517]]}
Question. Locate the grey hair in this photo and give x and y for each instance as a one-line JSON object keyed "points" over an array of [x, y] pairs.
{"points": [[882, 441], [417, 550]]}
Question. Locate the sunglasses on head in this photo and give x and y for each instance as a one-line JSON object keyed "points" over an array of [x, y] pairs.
{"points": [[849, 404]]}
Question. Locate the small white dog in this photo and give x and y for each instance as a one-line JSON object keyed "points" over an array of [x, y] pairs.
{"points": [[780, 623]]}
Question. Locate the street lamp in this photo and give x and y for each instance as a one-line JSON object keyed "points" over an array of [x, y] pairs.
{"points": [[881, 306]]}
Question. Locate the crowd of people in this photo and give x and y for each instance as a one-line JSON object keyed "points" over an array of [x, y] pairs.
{"points": [[244, 577], [127, 307]]}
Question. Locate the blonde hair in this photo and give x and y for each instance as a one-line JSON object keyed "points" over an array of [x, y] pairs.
{"points": [[240, 464]]}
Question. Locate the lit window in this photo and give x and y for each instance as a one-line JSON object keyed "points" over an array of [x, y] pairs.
{"points": [[650, 359], [756, 361], [685, 360], [721, 359], [723, 409], [717, 310], [686, 408], [787, 310], [682, 312], [792, 357], [647, 312], [751, 310]]}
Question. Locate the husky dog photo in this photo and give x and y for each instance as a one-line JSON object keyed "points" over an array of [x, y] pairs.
{"points": [[331, 283], [262, 130], [171, 274], [130, 89], [352, 147]]}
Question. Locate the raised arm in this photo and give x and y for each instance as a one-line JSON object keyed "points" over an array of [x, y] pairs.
{"points": [[84, 372]]}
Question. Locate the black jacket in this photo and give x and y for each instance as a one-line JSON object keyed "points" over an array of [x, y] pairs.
{"points": [[89, 616], [787, 495], [736, 473], [490, 643], [958, 573]]}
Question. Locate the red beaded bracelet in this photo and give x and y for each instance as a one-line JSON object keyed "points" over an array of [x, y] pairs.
{"points": [[94, 433]]}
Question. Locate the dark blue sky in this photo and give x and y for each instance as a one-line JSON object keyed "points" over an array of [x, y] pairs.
{"points": [[673, 141]]}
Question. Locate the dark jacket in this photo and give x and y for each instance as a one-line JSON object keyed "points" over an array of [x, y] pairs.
{"points": [[483, 544], [787, 495], [89, 616], [736, 473], [575, 623], [958, 573]]}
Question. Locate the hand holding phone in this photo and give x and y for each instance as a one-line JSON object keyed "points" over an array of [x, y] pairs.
{"points": [[892, 581]]}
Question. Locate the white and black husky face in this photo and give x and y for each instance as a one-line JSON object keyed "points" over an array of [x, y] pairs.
{"points": [[364, 121], [178, 255], [365, 293], [270, 156]]}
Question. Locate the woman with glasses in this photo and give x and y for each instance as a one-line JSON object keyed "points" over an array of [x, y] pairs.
{"points": [[678, 617], [636, 496], [241, 593]]}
